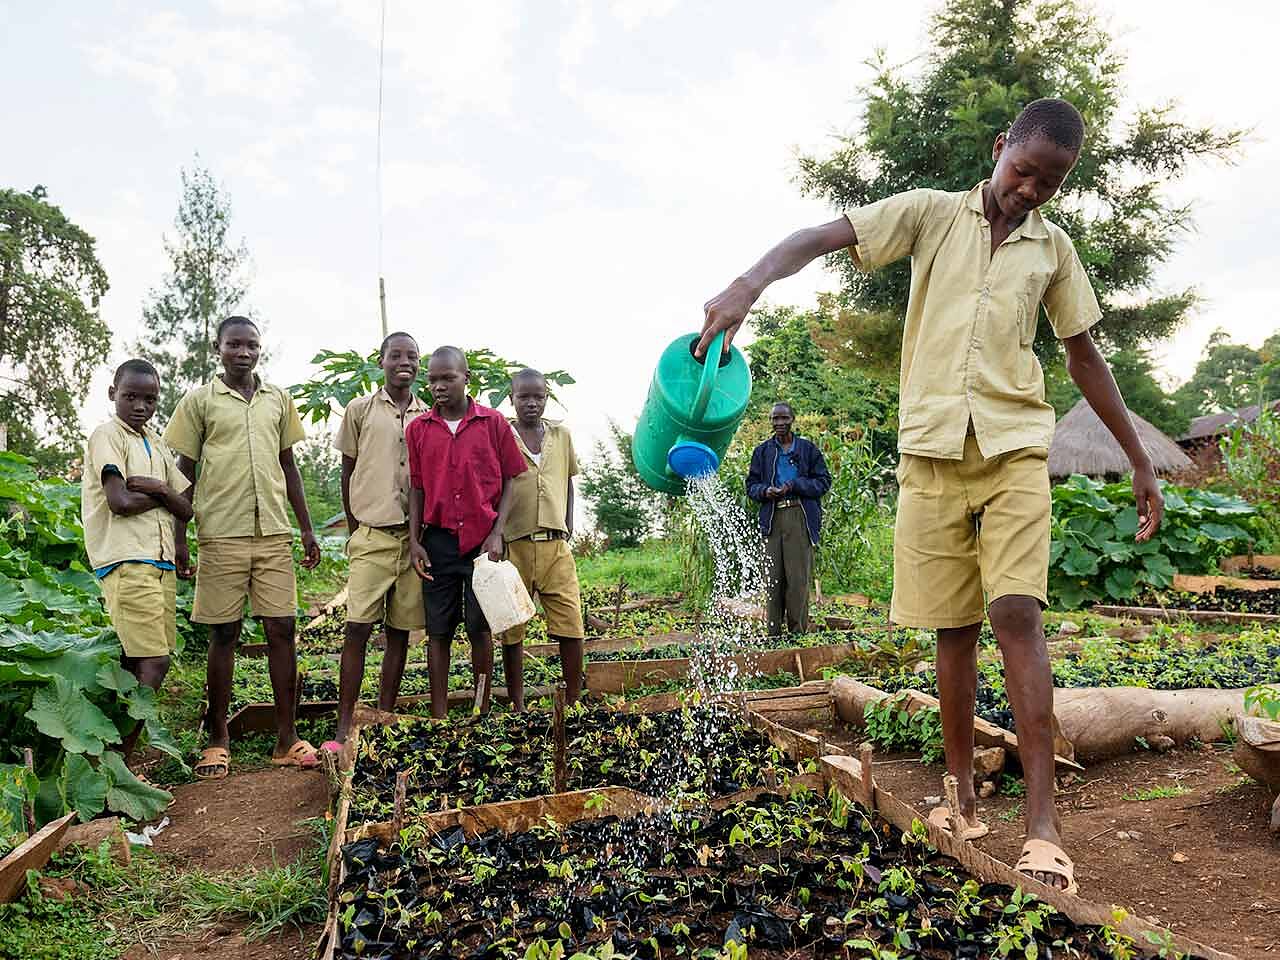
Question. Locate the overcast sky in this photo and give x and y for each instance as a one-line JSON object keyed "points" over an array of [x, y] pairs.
{"points": [[565, 182]]}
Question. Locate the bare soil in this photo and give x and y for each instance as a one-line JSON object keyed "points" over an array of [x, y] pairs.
{"points": [[1202, 863], [244, 821], [226, 942]]}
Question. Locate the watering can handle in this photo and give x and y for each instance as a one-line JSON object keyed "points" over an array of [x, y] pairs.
{"points": [[710, 366]]}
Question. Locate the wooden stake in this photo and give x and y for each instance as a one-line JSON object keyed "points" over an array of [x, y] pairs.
{"points": [[482, 684], [561, 774], [770, 778], [799, 667], [29, 809], [951, 789], [617, 602], [397, 816], [868, 780]]}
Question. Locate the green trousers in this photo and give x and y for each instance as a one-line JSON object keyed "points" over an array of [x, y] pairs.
{"points": [[790, 556]]}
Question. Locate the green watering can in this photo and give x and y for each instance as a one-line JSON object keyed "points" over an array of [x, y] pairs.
{"points": [[691, 414]]}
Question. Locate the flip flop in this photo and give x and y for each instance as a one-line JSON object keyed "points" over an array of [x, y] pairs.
{"points": [[216, 758], [332, 746], [1041, 856], [940, 817], [301, 755]]}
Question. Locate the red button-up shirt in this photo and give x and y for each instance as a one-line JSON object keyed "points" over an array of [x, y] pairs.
{"points": [[461, 474]]}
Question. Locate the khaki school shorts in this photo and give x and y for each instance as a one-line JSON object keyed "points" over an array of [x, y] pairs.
{"points": [[228, 569], [382, 584], [142, 603], [967, 533], [548, 571]]}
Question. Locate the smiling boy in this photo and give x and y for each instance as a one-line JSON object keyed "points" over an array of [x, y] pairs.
{"points": [[974, 509], [382, 585], [129, 496], [462, 458]]}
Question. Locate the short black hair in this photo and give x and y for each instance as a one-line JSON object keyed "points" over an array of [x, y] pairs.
{"points": [[1052, 118], [528, 373], [453, 354], [784, 403], [382, 350], [235, 321], [135, 366]]}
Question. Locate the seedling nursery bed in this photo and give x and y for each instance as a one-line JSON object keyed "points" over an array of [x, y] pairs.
{"points": [[788, 869]]}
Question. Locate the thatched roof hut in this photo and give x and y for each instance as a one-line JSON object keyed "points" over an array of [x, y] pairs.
{"points": [[1082, 444]]}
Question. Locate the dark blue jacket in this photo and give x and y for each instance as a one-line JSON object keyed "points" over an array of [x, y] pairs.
{"points": [[812, 481]]}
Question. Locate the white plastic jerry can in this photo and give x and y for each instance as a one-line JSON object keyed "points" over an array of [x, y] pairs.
{"points": [[503, 598]]}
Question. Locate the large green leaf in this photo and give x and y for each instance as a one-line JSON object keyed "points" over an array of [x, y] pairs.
{"points": [[61, 711], [51, 597], [1079, 563], [1222, 504], [12, 599], [1126, 522], [18, 787], [1122, 582], [1223, 532], [141, 703], [127, 794], [112, 676], [83, 788], [158, 736], [1159, 571]]}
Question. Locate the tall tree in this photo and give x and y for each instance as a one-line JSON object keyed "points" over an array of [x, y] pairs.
{"points": [[207, 280], [935, 129], [1230, 376], [51, 336]]}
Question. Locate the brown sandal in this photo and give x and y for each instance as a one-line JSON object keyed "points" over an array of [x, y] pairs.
{"points": [[217, 759], [940, 817], [1041, 856], [302, 755]]}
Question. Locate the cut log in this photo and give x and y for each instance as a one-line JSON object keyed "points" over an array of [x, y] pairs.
{"points": [[1105, 722], [1257, 749], [92, 834], [1198, 584]]}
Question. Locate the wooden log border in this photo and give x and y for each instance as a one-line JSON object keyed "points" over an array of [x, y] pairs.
{"points": [[32, 854], [1171, 615]]}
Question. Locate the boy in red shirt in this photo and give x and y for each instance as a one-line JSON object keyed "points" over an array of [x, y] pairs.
{"points": [[462, 458]]}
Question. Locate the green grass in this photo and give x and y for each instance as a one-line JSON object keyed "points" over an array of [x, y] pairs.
{"points": [[1013, 813], [651, 568], [116, 906], [1159, 793]]}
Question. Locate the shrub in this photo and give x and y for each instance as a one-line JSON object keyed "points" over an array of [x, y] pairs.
{"points": [[1093, 556]]}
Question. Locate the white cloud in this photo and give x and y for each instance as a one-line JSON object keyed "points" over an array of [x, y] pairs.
{"points": [[632, 13], [265, 10], [176, 61]]}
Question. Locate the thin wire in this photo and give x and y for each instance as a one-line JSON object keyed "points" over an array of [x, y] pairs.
{"points": [[382, 45]]}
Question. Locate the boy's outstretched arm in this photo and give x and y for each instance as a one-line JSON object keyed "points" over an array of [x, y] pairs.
{"points": [[1091, 374], [727, 309], [298, 500]]}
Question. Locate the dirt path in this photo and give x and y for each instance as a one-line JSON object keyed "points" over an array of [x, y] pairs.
{"points": [[1202, 862], [249, 820]]}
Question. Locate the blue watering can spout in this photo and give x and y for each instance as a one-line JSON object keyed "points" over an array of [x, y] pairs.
{"points": [[689, 459]]}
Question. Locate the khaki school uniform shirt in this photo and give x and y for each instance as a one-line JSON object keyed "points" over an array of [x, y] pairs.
{"points": [[541, 494], [372, 433], [971, 318], [109, 538], [240, 491]]}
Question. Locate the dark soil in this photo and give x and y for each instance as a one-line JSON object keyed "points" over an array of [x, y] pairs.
{"points": [[247, 820], [226, 942], [1225, 893], [1220, 598]]}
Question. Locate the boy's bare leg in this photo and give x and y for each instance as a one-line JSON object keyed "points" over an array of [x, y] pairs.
{"points": [[571, 666], [482, 663], [220, 664], [438, 671], [513, 669], [351, 675], [282, 664], [150, 672], [393, 660], [1028, 679], [957, 693]]}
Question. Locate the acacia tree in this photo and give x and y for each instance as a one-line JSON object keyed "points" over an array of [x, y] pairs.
{"points": [[990, 58], [51, 337], [207, 280]]}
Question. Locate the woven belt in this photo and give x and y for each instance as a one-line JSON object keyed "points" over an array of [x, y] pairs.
{"points": [[393, 527], [783, 504], [541, 536]]}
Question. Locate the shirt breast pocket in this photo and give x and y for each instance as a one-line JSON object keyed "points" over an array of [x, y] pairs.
{"points": [[1029, 305]]}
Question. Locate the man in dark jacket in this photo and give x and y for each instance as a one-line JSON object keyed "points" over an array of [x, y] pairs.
{"points": [[787, 477]]}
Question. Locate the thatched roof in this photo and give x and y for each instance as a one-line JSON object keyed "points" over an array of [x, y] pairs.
{"points": [[1216, 424], [1082, 444]]}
